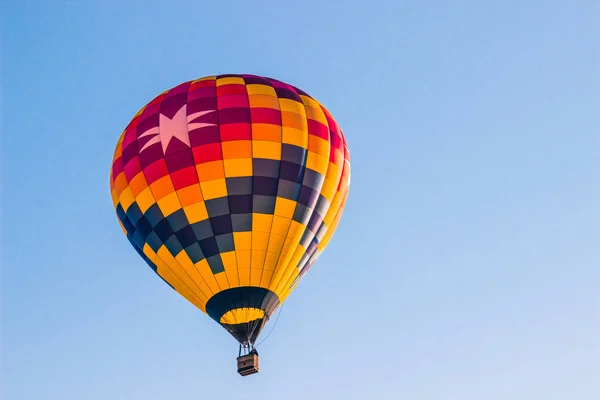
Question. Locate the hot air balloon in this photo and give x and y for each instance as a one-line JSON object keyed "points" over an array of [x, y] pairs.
{"points": [[230, 187]]}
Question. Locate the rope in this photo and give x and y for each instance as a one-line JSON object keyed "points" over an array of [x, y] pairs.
{"points": [[272, 329]]}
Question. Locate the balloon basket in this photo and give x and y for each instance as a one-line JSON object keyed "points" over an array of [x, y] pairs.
{"points": [[248, 364]]}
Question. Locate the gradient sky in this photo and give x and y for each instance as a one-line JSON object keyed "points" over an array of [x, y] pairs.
{"points": [[467, 262]]}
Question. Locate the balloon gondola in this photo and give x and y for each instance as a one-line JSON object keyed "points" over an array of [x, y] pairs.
{"points": [[230, 187]]}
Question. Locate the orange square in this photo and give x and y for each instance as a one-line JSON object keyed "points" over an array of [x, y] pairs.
{"points": [[138, 184], [210, 171], [162, 187], [293, 120], [190, 195], [266, 132], [237, 149], [262, 100]]}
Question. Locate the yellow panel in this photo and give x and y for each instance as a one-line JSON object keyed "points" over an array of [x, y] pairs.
{"points": [[196, 212], [285, 207], [260, 240], [230, 265], [180, 287], [266, 149], [190, 269], [266, 277], [242, 241], [255, 276], [261, 222], [171, 263], [292, 106], [287, 288], [261, 89], [280, 225], [126, 198], [222, 280], [294, 136], [318, 145], [263, 101], [243, 259], [204, 269], [293, 263], [238, 167], [315, 113], [244, 276], [275, 243], [214, 189], [317, 162], [145, 200], [115, 197], [242, 315], [169, 204], [271, 261], [230, 81]]}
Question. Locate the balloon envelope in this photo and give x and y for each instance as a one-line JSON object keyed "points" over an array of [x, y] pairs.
{"points": [[230, 187]]}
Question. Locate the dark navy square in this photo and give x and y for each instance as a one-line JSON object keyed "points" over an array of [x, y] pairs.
{"points": [[307, 236], [288, 190], [265, 167], [308, 197], [154, 215], [216, 207], [129, 228], [143, 227], [154, 241], [240, 204], [177, 220], [202, 229], [301, 214], [138, 239], [134, 213], [291, 171], [313, 179], [293, 154], [225, 242], [195, 253], [121, 213], [209, 246], [241, 222], [186, 236], [263, 204], [314, 222], [163, 230], [239, 185], [265, 186], [221, 225], [322, 205], [215, 263], [173, 245]]}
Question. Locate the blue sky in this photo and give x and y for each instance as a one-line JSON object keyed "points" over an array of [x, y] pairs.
{"points": [[469, 248]]}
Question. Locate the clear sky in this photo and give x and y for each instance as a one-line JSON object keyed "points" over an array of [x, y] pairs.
{"points": [[467, 262]]}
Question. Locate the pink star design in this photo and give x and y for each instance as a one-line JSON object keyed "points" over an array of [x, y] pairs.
{"points": [[176, 127]]}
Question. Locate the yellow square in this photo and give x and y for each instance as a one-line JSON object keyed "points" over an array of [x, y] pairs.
{"points": [[285, 207], [126, 198], [260, 240], [169, 204], [214, 189], [266, 149], [196, 212], [230, 81], [238, 167], [280, 225], [261, 89], [243, 259], [292, 106], [275, 243], [318, 145], [317, 162], [145, 200], [294, 136], [242, 240], [261, 222]]}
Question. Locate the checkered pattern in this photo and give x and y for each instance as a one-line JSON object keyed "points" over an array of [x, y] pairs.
{"points": [[229, 181]]}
